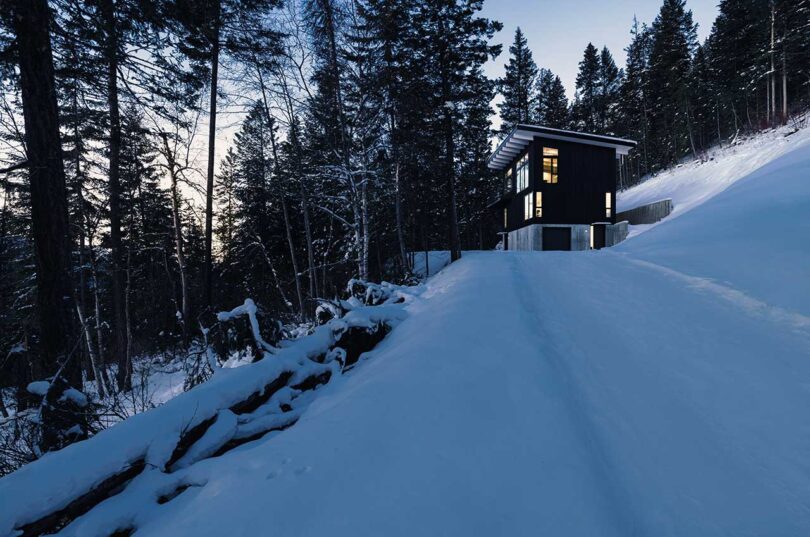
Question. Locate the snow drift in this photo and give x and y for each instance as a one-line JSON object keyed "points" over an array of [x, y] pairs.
{"points": [[657, 388]]}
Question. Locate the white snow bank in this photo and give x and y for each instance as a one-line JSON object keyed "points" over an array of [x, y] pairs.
{"points": [[536, 394], [753, 238], [57, 478], [559, 393], [693, 183]]}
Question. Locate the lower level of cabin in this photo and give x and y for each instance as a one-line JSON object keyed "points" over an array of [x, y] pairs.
{"points": [[566, 236]]}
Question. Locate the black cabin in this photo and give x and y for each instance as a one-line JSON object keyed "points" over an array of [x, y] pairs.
{"points": [[559, 189]]}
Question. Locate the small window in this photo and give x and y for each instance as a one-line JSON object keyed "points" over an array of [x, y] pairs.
{"points": [[538, 204], [507, 183], [527, 206], [550, 155], [608, 204], [522, 172], [505, 218]]}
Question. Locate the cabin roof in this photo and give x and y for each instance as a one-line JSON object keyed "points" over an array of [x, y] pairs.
{"points": [[521, 135]]}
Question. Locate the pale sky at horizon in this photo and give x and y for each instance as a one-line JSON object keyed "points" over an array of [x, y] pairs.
{"points": [[557, 33]]}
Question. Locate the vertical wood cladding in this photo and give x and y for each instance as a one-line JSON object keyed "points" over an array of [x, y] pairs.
{"points": [[586, 173]]}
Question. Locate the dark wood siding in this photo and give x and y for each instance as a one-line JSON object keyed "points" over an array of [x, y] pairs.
{"points": [[586, 173]]}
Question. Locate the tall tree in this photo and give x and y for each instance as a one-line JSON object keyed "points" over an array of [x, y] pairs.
{"points": [[552, 105], [674, 39], [518, 85], [610, 80], [454, 42], [49, 213], [586, 101], [633, 98], [210, 32]]}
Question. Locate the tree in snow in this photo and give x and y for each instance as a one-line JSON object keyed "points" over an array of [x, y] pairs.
{"points": [[552, 108], [518, 86]]}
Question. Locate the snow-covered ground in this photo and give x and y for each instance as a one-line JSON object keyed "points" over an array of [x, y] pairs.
{"points": [[693, 183], [657, 388]]}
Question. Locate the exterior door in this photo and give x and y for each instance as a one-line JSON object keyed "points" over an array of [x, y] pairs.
{"points": [[598, 236], [556, 238]]}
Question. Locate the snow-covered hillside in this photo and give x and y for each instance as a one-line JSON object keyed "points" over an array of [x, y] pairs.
{"points": [[656, 388], [693, 182]]}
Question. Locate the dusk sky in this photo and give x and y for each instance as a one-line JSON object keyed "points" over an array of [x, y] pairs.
{"points": [[558, 32]]}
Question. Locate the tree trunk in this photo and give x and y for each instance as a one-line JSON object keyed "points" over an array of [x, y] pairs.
{"points": [[772, 74], [366, 236], [784, 88], [398, 210], [114, 187], [287, 226], [49, 214], [455, 242], [293, 257], [313, 277], [178, 237], [94, 364], [212, 134]]}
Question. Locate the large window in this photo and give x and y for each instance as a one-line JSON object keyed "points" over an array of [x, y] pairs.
{"points": [[507, 182], [522, 172], [527, 206], [538, 204], [608, 204], [550, 156]]}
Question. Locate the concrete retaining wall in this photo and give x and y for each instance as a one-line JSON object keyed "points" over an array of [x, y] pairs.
{"points": [[647, 214], [531, 237], [616, 233]]}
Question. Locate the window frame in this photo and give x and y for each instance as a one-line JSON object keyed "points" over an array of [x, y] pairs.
{"points": [[528, 206], [608, 205], [509, 179], [538, 204], [554, 163], [522, 174]]}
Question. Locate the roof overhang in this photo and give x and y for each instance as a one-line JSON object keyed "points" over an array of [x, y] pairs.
{"points": [[521, 135]]}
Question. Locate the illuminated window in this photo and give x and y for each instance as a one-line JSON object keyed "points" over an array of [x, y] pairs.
{"points": [[608, 204], [507, 183], [538, 204], [527, 206], [550, 164], [522, 172], [505, 217]]}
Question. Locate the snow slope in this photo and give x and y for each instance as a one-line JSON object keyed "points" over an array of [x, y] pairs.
{"points": [[693, 183], [603, 393], [658, 388]]}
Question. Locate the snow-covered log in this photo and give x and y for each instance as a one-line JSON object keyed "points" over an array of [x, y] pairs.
{"points": [[234, 407]]}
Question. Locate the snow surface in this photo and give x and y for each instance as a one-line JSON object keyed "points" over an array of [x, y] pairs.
{"points": [[693, 183], [555, 393], [655, 388]]}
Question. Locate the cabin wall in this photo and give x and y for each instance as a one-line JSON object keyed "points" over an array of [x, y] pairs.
{"points": [[586, 173]]}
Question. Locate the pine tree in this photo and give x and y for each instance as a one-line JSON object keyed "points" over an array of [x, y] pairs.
{"points": [[454, 42], [702, 99], [586, 102], [210, 33], [793, 51], [673, 42], [552, 105], [609, 84], [518, 86], [740, 40], [477, 183], [633, 98]]}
